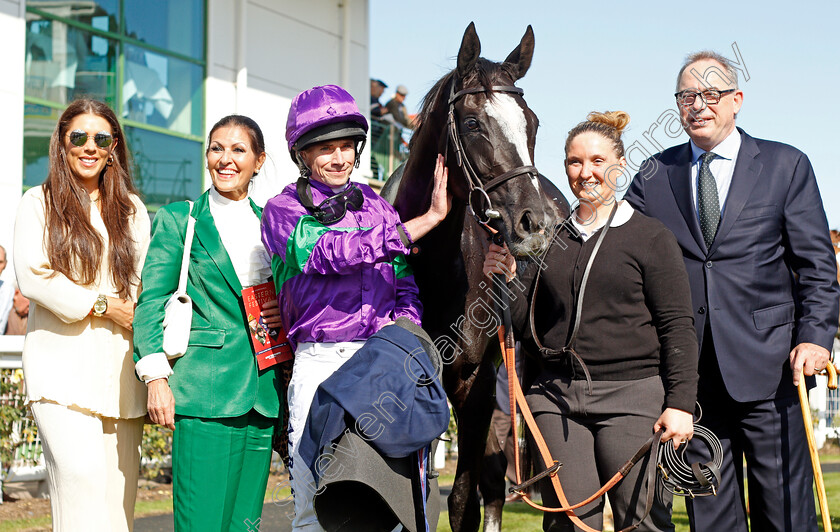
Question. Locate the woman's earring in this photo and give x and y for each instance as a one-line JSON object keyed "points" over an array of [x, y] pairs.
{"points": [[110, 160]]}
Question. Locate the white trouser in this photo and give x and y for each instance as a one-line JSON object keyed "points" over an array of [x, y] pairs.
{"points": [[314, 363], [92, 467]]}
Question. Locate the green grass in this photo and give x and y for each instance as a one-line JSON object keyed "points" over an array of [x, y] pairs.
{"points": [[520, 517], [516, 517], [147, 508], [25, 524]]}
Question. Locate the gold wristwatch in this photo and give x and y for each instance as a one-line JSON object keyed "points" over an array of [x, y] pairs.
{"points": [[100, 306]]}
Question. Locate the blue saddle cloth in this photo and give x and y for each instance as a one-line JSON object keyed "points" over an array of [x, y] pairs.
{"points": [[390, 394]]}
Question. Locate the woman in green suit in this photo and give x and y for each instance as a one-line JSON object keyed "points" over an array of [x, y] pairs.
{"points": [[222, 407]]}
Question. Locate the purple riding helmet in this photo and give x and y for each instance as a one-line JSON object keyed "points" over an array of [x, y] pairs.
{"points": [[324, 113]]}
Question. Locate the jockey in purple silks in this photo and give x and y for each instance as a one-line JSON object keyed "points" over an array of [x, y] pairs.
{"points": [[338, 257]]}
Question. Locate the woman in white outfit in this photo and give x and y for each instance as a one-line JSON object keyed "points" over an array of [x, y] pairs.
{"points": [[80, 242]]}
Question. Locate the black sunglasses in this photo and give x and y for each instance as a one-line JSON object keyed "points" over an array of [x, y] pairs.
{"points": [[333, 209], [79, 138]]}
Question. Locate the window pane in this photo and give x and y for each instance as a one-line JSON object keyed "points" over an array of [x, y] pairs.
{"points": [[162, 91], [101, 14], [38, 125], [176, 25], [64, 63], [166, 168]]}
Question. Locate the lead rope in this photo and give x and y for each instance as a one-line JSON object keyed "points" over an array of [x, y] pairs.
{"points": [[517, 398]]}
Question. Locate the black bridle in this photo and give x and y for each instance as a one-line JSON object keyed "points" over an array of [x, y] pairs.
{"points": [[463, 162]]}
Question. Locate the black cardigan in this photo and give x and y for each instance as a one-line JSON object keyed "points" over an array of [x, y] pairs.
{"points": [[637, 320]]}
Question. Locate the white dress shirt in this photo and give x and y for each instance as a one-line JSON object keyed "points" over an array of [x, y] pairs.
{"points": [[722, 167]]}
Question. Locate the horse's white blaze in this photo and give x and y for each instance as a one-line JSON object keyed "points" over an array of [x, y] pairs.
{"points": [[511, 120]]}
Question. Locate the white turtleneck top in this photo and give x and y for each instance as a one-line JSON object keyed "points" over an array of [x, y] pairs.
{"points": [[239, 229]]}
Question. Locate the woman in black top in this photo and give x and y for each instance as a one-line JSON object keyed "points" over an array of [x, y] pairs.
{"points": [[635, 338]]}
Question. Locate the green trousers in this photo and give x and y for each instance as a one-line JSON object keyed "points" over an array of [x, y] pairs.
{"points": [[220, 471]]}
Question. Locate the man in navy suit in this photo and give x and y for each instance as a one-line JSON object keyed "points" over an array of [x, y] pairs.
{"points": [[750, 221]]}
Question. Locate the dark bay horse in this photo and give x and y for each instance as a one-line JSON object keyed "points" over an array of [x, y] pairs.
{"points": [[476, 117]]}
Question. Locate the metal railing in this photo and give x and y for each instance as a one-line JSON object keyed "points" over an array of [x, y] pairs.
{"points": [[28, 463], [825, 405], [389, 147]]}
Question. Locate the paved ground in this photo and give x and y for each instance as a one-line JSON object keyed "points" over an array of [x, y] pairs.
{"points": [[274, 518]]}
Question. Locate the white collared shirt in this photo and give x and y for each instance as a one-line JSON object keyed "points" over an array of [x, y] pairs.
{"points": [[622, 214], [722, 167]]}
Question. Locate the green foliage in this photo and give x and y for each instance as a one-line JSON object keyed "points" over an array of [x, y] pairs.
{"points": [[157, 445], [14, 433]]}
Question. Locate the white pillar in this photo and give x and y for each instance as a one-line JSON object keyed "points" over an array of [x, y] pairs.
{"points": [[241, 55], [344, 65], [13, 30]]}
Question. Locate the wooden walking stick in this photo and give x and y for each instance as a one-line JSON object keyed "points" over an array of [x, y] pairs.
{"points": [[812, 443]]}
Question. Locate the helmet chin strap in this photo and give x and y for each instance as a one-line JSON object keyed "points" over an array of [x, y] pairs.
{"points": [[305, 172]]}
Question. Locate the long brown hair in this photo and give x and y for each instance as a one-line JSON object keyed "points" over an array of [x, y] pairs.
{"points": [[74, 247]]}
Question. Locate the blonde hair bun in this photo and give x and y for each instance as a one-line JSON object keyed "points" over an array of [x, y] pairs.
{"points": [[614, 119]]}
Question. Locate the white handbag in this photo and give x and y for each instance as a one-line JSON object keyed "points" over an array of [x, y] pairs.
{"points": [[177, 320]]}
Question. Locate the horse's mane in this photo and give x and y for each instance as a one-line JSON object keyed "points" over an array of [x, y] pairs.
{"points": [[430, 131], [437, 98]]}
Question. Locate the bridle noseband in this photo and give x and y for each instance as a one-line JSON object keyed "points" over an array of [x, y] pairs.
{"points": [[463, 162]]}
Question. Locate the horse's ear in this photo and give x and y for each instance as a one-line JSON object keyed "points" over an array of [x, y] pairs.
{"points": [[469, 52], [520, 57]]}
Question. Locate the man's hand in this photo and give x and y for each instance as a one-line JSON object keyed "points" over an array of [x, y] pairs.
{"points": [[808, 358], [161, 403], [679, 426]]}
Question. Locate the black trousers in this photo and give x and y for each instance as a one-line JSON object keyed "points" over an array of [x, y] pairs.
{"points": [[770, 437], [593, 436]]}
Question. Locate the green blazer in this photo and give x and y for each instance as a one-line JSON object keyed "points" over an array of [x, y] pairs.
{"points": [[218, 375]]}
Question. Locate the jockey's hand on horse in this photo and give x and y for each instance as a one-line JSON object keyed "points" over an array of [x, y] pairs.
{"points": [[441, 203], [499, 260], [679, 426]]}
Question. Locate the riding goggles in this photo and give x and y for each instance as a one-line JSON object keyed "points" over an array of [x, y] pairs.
{"points": [[333, 209], [79, 138]]}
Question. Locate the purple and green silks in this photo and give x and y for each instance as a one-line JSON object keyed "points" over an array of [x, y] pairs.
{"points": [[342, 282]]}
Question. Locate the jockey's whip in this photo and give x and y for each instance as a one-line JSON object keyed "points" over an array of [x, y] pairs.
{"points": [[831, 371]]}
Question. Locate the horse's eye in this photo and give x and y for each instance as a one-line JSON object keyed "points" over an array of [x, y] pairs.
{"points": [[471, 123]]}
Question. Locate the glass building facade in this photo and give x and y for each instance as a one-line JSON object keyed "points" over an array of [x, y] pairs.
{"points": [[146, 59]]}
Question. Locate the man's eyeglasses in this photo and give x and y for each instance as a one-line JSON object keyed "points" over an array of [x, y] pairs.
{"points": [[333, 209], [79, 138], [687, 98]]}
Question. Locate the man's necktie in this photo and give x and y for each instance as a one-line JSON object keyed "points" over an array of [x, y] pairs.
{"points": [[707, 199]]}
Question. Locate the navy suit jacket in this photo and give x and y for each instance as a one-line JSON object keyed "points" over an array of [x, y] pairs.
{"points": [[769, 280]]}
